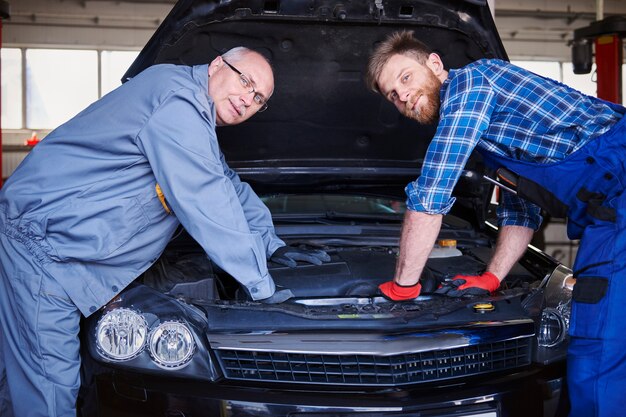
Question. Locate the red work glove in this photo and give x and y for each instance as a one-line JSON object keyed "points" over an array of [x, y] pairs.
{"points": [[462, 285], [394, 292]]}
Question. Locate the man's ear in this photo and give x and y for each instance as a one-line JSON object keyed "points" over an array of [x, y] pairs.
{"points": [[215, 65], [435, 63]]}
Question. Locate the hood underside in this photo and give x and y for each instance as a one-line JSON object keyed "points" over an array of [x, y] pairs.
{"points": [[321, 114]]}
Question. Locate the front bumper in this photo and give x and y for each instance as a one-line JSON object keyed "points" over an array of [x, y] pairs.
{"points": [[535, 391]]}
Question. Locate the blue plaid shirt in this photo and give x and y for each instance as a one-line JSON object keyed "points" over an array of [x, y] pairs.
{"points": [[501, 108]]}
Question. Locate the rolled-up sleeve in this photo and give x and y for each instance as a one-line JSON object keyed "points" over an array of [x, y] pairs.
{"points": [[180, 143], [515, 211], [465, 113]]}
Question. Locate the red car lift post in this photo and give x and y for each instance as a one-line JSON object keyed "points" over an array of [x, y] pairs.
{"points": [[606, 35]]}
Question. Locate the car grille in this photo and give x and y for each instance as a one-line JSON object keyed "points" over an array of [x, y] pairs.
{"points": [[372, 369]]}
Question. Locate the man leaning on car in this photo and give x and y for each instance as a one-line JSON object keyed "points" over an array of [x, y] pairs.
{"points": [[95, 203], [563, 147]]}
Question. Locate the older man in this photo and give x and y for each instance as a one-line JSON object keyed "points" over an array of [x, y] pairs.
{"points": [[568, 151], [95, 203]]}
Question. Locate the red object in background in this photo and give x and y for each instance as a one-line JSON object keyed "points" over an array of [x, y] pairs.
{"points": [[607, 36], [609, 67], [33, 140]]}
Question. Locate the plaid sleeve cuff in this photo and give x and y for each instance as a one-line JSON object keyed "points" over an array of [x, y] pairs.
{"points": [[422, 202], [514, 211]]}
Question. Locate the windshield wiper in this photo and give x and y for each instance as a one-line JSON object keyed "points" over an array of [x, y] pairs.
{"points": [[338, 216]]}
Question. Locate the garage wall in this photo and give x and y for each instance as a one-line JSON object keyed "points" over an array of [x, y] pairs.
{"points": [[529, 28], [543, 29], [83, 24]]}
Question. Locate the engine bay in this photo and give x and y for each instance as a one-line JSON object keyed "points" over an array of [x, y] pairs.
{"points": [[353, 271]]}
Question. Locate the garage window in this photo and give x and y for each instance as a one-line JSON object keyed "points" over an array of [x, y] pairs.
{"points": [[59, 84], [43, 88], [114, 64], [11, 88]]}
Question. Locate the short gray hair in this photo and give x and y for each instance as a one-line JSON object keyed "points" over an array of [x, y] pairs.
{"points": [[237, 53]]}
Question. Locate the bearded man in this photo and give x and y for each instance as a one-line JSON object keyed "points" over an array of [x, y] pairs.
{"points": [[568, 149]]}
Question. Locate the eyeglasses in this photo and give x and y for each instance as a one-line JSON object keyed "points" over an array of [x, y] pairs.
{"points": [[259, 100]]}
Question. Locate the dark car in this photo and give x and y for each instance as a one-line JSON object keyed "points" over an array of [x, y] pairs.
{"points": [[331, 160]]}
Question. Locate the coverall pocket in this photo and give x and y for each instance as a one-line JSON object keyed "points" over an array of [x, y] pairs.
{"points": [[90, 231], [594, 270], [589, 307], [590, 290], [26, 290]]}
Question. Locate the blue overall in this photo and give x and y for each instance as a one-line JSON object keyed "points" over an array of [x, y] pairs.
{"points": [[590, 182]]}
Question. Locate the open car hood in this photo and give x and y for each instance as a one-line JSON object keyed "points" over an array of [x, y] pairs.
{"points": [[321, 120]]}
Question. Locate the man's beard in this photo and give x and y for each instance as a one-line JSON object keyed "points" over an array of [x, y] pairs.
{"points": [[429, 112]]}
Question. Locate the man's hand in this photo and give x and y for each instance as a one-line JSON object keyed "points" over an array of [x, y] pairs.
{"points": [[288, 256], [280, 296], [394, 292], [462, 285]]}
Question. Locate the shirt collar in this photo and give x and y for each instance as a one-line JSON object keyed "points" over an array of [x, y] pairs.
{"points": [[444, 88], [201, 76], [446, 84]]}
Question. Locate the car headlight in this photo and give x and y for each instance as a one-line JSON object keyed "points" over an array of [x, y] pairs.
{"points": [[556, 315], [144, 330], [121, 334], [552, 328], [553, 308], [171, 345]]}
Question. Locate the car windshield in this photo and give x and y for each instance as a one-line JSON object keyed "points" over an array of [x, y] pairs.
{"points": [[332, 203]]}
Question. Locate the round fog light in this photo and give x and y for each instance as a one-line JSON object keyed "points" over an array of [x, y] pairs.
{"points": [[551, 328], [121, 334], [171, 345]]}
